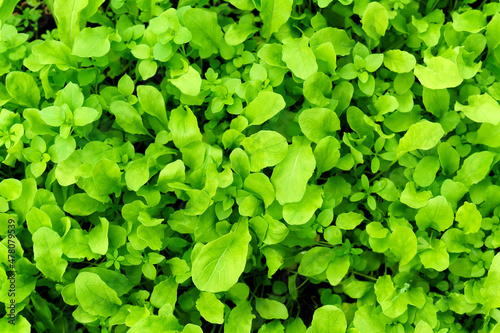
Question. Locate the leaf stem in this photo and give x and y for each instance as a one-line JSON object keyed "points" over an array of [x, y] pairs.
{"points": [[365, 276]]}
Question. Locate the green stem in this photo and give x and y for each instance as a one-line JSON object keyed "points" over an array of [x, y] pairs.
{"points": [[365, 276]]}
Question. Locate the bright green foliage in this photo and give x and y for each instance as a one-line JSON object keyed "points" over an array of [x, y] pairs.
{"points": [[329, 319], [48, 253], [220, 263], [250, 166], [290, 176], [375, 20], [95, 296], [399, 61], [270, 309], [92, 42], [481, 109], [274, 14], [211, 309], [440, 73], [266, 148], [263, 107]]}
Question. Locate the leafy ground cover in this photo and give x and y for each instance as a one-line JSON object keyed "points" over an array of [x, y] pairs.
{"points": [[250, 166]]}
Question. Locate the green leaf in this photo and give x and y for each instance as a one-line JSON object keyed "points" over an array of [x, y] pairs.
{"points": [[48, 253], [366, 319], [53, 116], [95, 296], [68, 15], [84, 115], [436, 256], [299, 57], [164, 293], [70, 95], [403, 244], [265, 106], [469, 218], [475, 168], [53, 52], [260, 184], [37, 218], [290, 176], [266, 148], [160, 324], [274, 259], [327, 154], [440, 73], [127, 117], [342, 43], [171, 173], [92, 42], [126, 85], [491, 288], [98, 237], [393, 303], [242, 4], [23, 89], [349, 221], [316, 261], [274, 14], [318, 123], [11, 189], [423, 327], [270, 309], [240, 162], [328, 319], [206, 32], [436, 214], [152, 102], [75, 245], [399, 61], [488, 135], [82, 204], [238, 33], [337, 269], [137, 173], [240, 318], [188, 83], [297, 213], [147, 68], [448, 158], [436, 101], [220, 263], [423, 135], [17, 325], [425, 171], [211, 309], [106, 175], [184, 126], [481, 109], [472, 21], [375, 20], [316, 88]]}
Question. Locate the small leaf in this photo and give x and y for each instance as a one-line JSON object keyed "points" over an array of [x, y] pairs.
{"points": [[23, 89], [440, 73], [399, 61], [95, 296], [48, 253], [270, 309], [92, 42], [375, 20], [481, 109], [328, 319], [220, 263], [265, 106]]}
